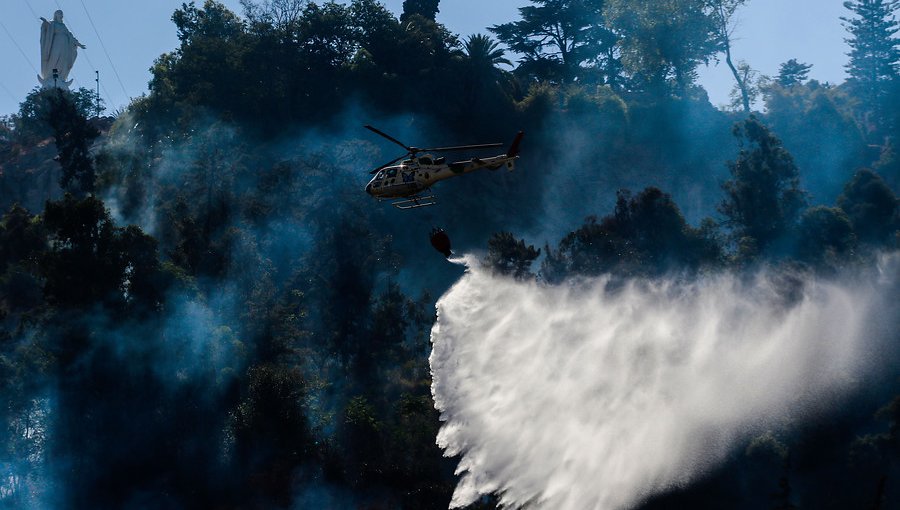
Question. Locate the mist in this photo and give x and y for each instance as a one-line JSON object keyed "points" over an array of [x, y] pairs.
{"points": [[601, 394]]}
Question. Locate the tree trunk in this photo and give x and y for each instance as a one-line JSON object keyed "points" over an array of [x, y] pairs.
{"points": [[745, 97]]}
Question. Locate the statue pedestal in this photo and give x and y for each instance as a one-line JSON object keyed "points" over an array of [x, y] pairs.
{"points": [[51, 82]]}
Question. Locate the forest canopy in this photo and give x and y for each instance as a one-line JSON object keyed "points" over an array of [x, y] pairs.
{"points": [[201, 308]]}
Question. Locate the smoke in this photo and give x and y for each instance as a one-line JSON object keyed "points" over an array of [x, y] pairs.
{"points": [[599, 394]]}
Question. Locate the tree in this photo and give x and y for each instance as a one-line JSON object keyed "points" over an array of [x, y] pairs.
{"points": [[874, 52], [591, 250], [762, 198], [483, 85], [279, 13], [6, 130], [874, 453], [792, 73], [271, 427], [888, 164], [510, 256], [645, 235], [90, 261], [378, 28], [386, 335], [426, 47], [22, 242], [21, 237], [326, 36], [428, 9], [213, 20], [558, 37], [825, 235], [746, 91], [722, 14], [663, 240], [484, 54], [419, 47], [871, 207], [662, 41], [30, 124], [205, 71], [74, 136], [815, 124]]}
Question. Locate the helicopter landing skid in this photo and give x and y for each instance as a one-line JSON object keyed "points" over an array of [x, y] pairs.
{"points": [[415, 202]]}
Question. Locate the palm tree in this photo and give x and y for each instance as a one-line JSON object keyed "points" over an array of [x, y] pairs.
{"points": [[483, 83], [483, 52]]}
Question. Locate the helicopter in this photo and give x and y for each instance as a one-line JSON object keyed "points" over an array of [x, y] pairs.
{"points": [[408, 183]]}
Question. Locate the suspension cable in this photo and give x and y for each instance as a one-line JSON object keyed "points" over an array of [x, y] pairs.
{"points": [[103, 46], [11, 95], [31, 9], [24, 55]]}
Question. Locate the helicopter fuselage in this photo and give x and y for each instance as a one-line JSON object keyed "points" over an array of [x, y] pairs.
{"points": [[415, 175], [407, 183]]}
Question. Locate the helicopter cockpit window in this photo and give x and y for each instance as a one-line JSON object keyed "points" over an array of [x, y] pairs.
{"points": [[392, 172], [425, 161]]}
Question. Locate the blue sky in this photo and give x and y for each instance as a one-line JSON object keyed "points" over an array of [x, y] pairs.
{"points": [[135, 32]]}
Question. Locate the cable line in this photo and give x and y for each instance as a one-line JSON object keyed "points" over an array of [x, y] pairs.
{"points": [[11, 95], [116, 72], [31, 9], [25, 56]]}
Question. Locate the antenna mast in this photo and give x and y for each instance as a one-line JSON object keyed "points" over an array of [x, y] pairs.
{"points": [[98, 92]]}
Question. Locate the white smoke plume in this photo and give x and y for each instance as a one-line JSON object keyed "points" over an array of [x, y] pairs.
{"points": [[593, 395]]}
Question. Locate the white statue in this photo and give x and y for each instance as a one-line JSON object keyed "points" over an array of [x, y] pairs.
{"points": [[58, 52]]}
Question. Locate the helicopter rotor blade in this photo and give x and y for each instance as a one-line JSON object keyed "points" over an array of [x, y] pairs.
{"points": [[389, 137], [464, 147], [389, 163]]}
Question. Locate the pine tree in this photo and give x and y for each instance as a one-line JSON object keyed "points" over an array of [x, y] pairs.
{"points": [[560, 39], [792, 73], [874, 53]]}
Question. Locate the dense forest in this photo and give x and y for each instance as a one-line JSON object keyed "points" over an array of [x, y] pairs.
{"points": [[200, 307]]}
